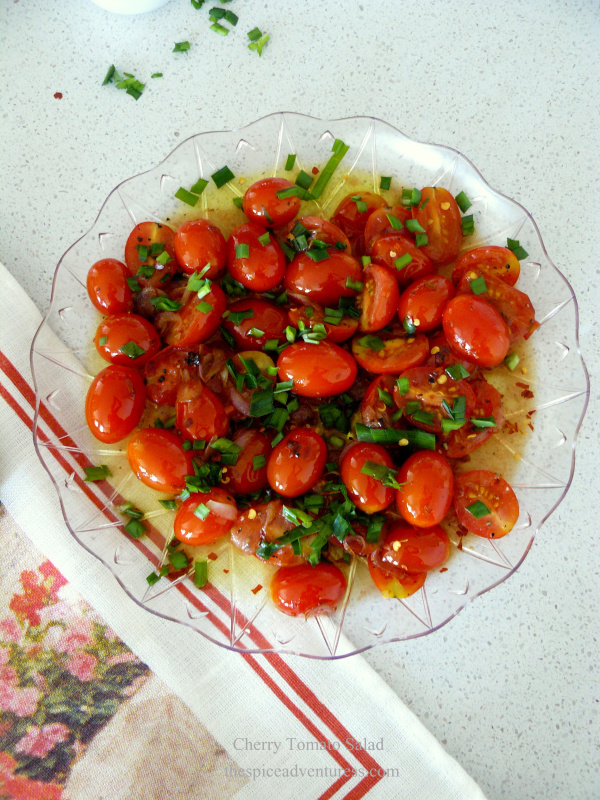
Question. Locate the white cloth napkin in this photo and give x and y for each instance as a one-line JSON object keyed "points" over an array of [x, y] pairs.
{"points": [[293, 725]]}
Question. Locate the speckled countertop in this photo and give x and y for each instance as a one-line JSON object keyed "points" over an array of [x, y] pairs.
{"points": [[511, 686]]}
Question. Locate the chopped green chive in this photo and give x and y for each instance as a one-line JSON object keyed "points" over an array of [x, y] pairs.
{"points": [[463, 201], [478, 509], [256, 332], [181, 47], [512, 360], [97, 473], [238, 202], [372, 342], [261, 403], [156, 248], [291, 159], [222, 176], [142, 251], [478, 285], [317, 254], [265, 239], [403, 385], [145, 271], [295, 191], [414, 226], [403, 261], [366, 260], [254, 35], [385, 182], [420, 439], [102, 340], [200, 573], [178, 560], [409, 326], [198, 3], [468, 225], [394, 222], [231, 18], [242, 251], [201, 511], [132, 350], [357, 286], [204, 307], [163, 303], [339, 150], [135, 528], [520, 252], [156, 75], [109, 75], [258, 462], [199, 186], [235, 317], [133, 285], [385, 397], [170, 505], [220, 29], [381, 473], [483, 422], [303, 179], [421, 239], [259, 43], [457, 372], [186, 197]]}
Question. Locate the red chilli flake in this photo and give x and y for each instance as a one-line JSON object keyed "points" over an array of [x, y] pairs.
{"points": [[315, 170], [444, 569], [58, 95], [256, 589], [226, 571], [212, 556]]}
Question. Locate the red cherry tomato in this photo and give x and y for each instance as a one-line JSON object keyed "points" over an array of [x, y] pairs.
{"points": [[199, 412], [388, 250], [500, 261], [317, 370], [158, 459], [323, 282], [397, 354], [164, 372], [414, 550], [246, 475], [205, 517], [426, 496], [258, 315], [438, 213], [308, 590], [199, 243], [488, 403], [127, 339], [262, 269], [513, 306], [266, 523], [395, 583], [379, 224], [196, 321], [352, 213], [297, 463], [311, 315], [108, 288], [378, 300], [434, 392], [442, 355], [475, 330], [377, 405], [501, 507], [368, 493], [115, 403], [145, 235], [261, 204], [424, 301], [317, 228]]}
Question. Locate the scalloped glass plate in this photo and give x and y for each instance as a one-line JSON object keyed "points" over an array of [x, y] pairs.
{"points": [[234, 610]]}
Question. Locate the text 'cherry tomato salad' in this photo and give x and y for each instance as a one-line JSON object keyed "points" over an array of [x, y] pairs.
{"points": [[311, 388]]}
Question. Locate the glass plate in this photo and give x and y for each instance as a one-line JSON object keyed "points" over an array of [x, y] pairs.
{"points": [[235, 610]]}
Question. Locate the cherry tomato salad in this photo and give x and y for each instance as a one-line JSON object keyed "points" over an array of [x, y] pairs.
{"points": [[312, 388]]}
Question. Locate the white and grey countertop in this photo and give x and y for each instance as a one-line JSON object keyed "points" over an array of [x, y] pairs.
{"points": [[510, 687]]}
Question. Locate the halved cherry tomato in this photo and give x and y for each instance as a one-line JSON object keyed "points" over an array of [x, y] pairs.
{"points": [[430, 387], [115, 403], [397, 353], [377, 405], [379, 224], [245, 476], [378, 300], [423, 302], [308, 590], [325, 281], [158, 459], [140, 242], [442, 355], [317, 228], [488, 403], [312, 314], [127, 339], [513, 305], [395, 583], [262, 269], [259, 315], [266, 523], [198, 243], [387, 250], [199, 412], [500, 261], [297, 463], [108, 288], [191, 324], [426, 495], [475, 330], [350, 216], [438, 213], [500, 509], [205, 517], [317, 370], [368, 493], [261, 204], [414, 550], [165, 371]]}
